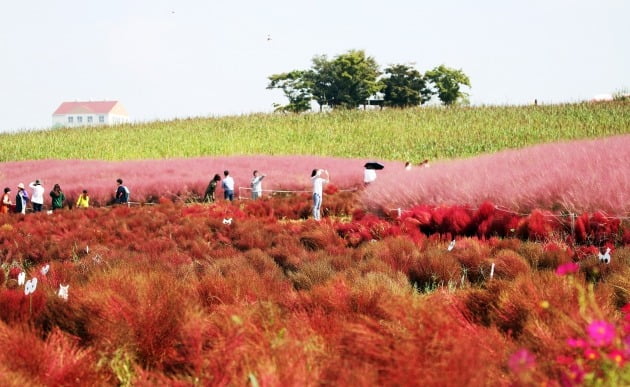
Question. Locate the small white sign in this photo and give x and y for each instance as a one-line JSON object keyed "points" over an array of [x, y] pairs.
{"points": [[604, 258], [63, 292], [30, 286]]}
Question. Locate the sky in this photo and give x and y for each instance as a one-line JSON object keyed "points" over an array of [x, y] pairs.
{"points": [[165, 59]]}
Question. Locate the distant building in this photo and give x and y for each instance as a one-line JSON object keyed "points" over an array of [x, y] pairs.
{"points": [[89, 113]]}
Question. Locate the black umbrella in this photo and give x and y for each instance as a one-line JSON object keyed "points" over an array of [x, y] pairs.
{"points": [[374, 165]]}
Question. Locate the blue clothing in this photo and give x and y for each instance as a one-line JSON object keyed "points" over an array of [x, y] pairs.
{"points": [[20, 201], [317, 204], [122, 194], [228, 194]]}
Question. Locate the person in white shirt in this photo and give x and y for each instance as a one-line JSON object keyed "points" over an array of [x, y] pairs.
{"points": [[38, 195], [228, 186], [318, 189], [257, 184], [369, 175]]}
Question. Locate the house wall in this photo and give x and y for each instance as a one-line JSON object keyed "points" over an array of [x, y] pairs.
{"points": [[83, 119]]}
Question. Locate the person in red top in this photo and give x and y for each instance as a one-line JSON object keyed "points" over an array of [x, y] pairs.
{"points": [[5, 205]]}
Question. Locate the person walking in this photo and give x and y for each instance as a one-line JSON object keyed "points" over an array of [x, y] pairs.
{"points": [[318, 190], [122, 192], [83, 201], [211, 189], [21, 199], [257, 185], [6, 204], [38, 195], [58, 198], [228, 186]]}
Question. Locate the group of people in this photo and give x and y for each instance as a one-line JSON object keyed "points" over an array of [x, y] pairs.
{"points": [[228, 186], [319, 177], [423, 164], [37, 198], [58, 198]]}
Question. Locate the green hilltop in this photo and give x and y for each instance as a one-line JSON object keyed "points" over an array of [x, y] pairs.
{"points": [[391, 134]]}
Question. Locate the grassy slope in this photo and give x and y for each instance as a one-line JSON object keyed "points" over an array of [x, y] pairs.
{"points": [[412, 134]]}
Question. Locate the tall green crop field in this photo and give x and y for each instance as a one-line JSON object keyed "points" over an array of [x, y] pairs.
{"points": [[411, 134]]}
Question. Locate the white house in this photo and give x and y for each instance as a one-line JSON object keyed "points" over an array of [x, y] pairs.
{"points": [[89, 113]]}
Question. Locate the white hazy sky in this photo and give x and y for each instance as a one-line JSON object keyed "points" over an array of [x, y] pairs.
{"points": [[164, 58]]}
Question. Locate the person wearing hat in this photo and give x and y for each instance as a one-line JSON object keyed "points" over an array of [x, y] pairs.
{"points": [[6, 204], [38, 196], [21, 199]]}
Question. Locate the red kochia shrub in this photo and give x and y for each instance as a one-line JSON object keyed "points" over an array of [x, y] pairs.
{"points": [[539, 225], [472, 255], [435, 268], [603, 227], [554, 255], [15, 306], [55, 361], [457, 221], [596, 228], [14, 272], [509, 264], [400, 253]]}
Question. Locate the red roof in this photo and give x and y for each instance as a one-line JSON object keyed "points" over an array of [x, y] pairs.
{"points": [[97, 107]]}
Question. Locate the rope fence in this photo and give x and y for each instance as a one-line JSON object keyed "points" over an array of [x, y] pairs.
{"points": [[271, 192]]}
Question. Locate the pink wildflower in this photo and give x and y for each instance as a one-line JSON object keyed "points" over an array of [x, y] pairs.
{"points": [[618, 357], [591, 354], [567, 268], [521, 361], [575, 374], [576, 343], [601, 332]]}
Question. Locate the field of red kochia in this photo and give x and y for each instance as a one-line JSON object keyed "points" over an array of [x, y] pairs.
{"points": [[251, 292]]}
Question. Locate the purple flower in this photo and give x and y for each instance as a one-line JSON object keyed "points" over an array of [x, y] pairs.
{"points": [[568, 268], [601, 333], [522, 360]]}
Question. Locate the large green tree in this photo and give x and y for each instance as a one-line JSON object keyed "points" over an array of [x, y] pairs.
{"points": [[447, 83], [295, 87], [346, 81], [404, 86]]}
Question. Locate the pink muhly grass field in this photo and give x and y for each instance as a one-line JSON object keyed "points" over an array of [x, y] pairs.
{"points": [[148, 179], [588, 175]]}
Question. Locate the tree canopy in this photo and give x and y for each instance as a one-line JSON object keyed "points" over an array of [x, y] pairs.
{"points": [[295, 88], [447, 82], [350, 79], [346, 81], [404, 86]]}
